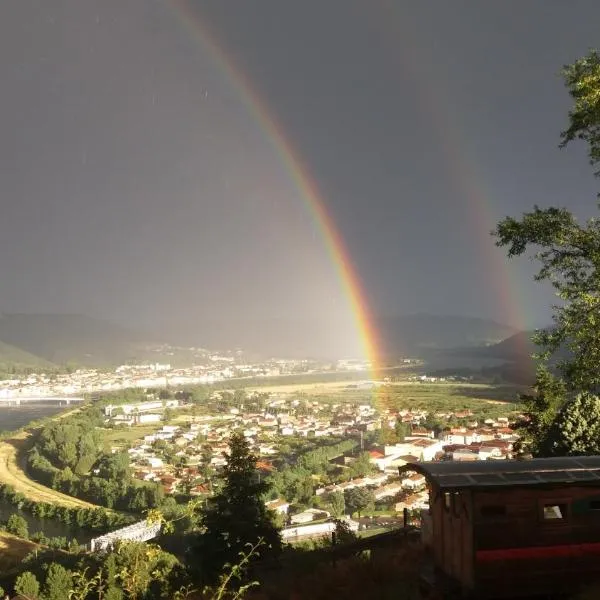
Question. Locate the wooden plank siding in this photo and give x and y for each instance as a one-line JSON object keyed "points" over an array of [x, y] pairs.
{"points": [[517, 549]]}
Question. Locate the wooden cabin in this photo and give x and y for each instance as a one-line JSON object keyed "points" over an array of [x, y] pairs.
{"points": [[512, 528]]}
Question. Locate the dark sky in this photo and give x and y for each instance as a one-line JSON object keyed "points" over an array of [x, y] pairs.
{"points": [[137, 185]]}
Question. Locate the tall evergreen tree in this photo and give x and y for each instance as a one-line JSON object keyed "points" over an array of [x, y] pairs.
{"points": [[58, 582], [237, 516]]}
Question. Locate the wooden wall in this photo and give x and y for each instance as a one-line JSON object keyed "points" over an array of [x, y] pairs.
{"points": [[521, 551], [453, 535], [499, 541]]}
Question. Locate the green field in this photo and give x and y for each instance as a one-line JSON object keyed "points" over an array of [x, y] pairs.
{"points": [[121, 436], [448, 396]]}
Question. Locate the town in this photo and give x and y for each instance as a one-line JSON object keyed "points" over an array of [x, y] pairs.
{"points": [[210, 368], [181, 444]]}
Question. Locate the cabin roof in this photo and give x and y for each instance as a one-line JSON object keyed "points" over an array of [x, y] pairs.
{"points": [[452, 475]]}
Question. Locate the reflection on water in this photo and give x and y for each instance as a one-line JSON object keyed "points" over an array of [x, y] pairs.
{"points": [[49, 527]]}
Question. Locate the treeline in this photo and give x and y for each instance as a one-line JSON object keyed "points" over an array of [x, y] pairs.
{"points": [[95, 519], [68, 456]]}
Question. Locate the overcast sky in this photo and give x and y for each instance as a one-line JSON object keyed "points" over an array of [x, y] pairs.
{"points": [[137, 184]]}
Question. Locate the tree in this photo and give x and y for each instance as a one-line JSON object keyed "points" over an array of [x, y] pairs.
{"points": [[576, 429], [17, 525], [115, 467], [237, 515], [402, 430], [357, 499], [337, 503], [540, 409], [343, 534], [26, 584], [386, 435], [361, 466], [568, 253], [58, 582]]}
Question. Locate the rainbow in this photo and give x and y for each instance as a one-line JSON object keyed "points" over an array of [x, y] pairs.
{"points": [[298, 174], [479, 209]]}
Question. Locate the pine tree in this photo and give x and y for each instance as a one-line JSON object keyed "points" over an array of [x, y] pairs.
{"points": [[58, 582], [237, 516], [26, 584]]}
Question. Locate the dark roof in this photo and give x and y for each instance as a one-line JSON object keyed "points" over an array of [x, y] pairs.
{"points": [[451, 475]]}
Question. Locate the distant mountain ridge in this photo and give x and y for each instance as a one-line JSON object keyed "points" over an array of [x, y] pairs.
{"points": [[59, 339], [415, 334], [396, 335], [44, 339]]}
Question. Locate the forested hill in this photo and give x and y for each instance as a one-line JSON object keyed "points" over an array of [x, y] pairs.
{"points": [[45, 339], [414, 334], [13, 358], [516, 348], [42, 339]]}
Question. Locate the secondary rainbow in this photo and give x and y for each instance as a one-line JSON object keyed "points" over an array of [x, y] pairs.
{"points": [[298, 174], [461, 162]]}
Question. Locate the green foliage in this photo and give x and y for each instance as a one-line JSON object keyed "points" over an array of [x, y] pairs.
{"points": [[65, 451], [58, 582], [95, 519], [361, 466], [576, 429], [337, 502], [541, 408], [358, 499], [562, 415], [343, 534], [582, 79], [236, 516], [17, 525], [138, 565], [402, 430], [386, 436], [232, 585], [27, 585], [294, 482], [568, 252], [570, 260]]}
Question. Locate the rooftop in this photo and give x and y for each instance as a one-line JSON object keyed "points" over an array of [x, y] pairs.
{"points": [[450, 475]]}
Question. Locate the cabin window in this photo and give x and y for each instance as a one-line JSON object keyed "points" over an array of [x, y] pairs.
{"points": [[492, 511], [555, 512], [447, 501]]}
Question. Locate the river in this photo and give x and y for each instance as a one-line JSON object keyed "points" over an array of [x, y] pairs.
{"points": [[15, 417], [49, 527]]}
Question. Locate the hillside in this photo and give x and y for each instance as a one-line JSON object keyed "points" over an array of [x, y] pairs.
{"points": [[60, 339], [12, 357], [324, 338], [415, 334], [515, 348], [44, 339]]}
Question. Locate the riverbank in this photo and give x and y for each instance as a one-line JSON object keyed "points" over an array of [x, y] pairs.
{"points": [[13, 550], [12, 473]]}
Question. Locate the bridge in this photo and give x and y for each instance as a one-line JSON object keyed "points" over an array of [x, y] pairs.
{"points": [[17, 400], [141, 531]]}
